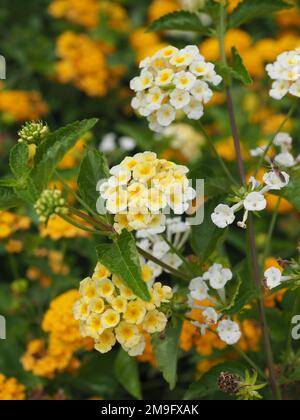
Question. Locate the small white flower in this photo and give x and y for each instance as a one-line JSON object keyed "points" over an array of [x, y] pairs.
{"points": [[283, 140], [201, 91], [259, 151], [255, 201], [295, 88], [184, 80], [199, 289], [279, 89], [211, 316], [273, 277], [229, 332], [218, 276], [127, 143], [108, 143], [201, 68], [194, 110], [179, 98], [274, 182], [223, 216], [166, 115], [285, 159]]}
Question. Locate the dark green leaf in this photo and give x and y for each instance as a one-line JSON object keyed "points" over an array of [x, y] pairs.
{"points": [[179, 21], [121, 258], [18, 160], [127, 373], [253, 9], [93, 169], [27, 192], [8, 199], [54, 148], [240, 71], [166, 349], [206, 236]]}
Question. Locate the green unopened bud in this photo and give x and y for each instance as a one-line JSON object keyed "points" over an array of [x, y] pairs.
{"points": [[19, 286], [33, 132], [50, 203]]}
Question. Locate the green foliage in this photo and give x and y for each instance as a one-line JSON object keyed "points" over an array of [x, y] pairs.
{"points": [[239, 70], [249, 10], [8, 198], [53, 149], [121, 258], [19, 157], [291, 192], [127, 373], [93, 169], [166, 349], [207, 236], [207, 386], [179, 21]]}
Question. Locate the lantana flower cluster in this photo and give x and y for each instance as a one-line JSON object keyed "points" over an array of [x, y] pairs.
{"points": [[215, 279], [251, 200], [286, 73], [142, 187], [109, 312], [173, 80]]}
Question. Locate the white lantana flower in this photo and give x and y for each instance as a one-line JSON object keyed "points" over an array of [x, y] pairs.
{"points": [[283, 140], [255, 201], [198, 289], [285, 159], [229, 332], [286, 75], [274, 182], [274, 277], [218, 276], [172, 80], [223, 216]]}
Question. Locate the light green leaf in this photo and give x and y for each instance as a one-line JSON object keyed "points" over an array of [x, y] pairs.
{"points": [[8, 199], [249, 10], [18, 160], [93, 169], [179, 21], [54, 148], [166, 350], [121, 258], [127, 373], [207, 236], [239, 70]]}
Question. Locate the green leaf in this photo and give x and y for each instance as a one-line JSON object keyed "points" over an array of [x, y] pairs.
{"points": [[93, 169], [179, 21], [9, 182], [166, 350], [54, 148], [291, 192], [239, 69], [207, 386], [27, 192], [253, 9], [122, 258], [8, 199], [206, 237], [127, 373], [18, 160]]}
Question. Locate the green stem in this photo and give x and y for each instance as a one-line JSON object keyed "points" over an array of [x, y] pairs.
{"points": [[271, 231], [269, 145], [165, 266], [82, 227], [216, 154], [178, 253], [250, 361]]}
